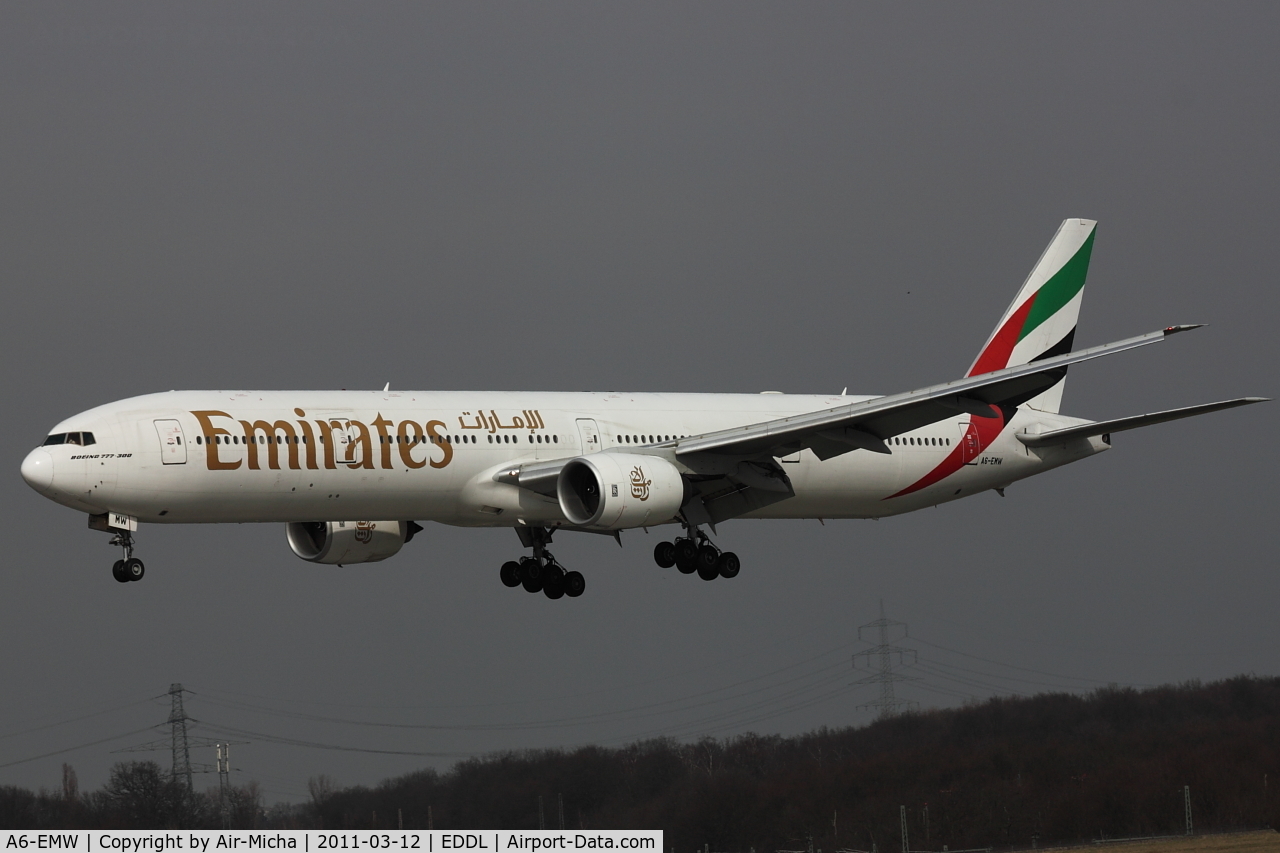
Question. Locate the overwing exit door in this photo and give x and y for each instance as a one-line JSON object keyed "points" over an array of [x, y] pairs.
{"points": [[173, 444]]}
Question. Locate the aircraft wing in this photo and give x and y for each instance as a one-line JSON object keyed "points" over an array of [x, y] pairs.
{"points": [[1061, 436], [866, 425], [856, 426]]}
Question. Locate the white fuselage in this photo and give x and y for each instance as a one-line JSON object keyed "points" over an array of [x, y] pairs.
{"points": [[283, 456]]}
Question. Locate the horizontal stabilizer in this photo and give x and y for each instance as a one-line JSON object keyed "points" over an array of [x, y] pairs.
{"points": [[1059, 436]]}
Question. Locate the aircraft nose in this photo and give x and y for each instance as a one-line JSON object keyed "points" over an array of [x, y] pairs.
{"points": [[37, 470]]}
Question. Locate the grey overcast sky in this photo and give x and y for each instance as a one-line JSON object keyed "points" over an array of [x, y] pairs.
{"points": [[659, 196]]}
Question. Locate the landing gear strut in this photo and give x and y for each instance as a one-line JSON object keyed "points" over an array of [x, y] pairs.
{"points": [[130, 568], [541, 572], [694, 552]]}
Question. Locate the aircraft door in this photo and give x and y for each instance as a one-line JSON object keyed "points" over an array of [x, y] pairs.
{"points": [[590, 435], [344, 442], [970, 446], [173, 444]]}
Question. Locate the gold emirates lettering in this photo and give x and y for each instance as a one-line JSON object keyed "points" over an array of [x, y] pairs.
{"points": [[345, 442], [639, 485]]}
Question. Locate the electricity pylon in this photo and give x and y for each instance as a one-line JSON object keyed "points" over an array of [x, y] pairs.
{"points": [[884, 653]]}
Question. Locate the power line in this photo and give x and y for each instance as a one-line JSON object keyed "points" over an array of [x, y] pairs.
{"points": [[969, 682], [74, 748], [73, 719], [1004, 677], [1023, 668], [315, 745], [769, 699], [556, 698], [619, 715], [699, 726]]}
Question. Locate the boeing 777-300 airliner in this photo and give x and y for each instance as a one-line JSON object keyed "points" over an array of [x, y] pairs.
{"points": [[595, 462]]}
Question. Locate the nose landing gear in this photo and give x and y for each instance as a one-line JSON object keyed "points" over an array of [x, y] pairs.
{"points": [[541, 572], [130, 568], [695, 553]]}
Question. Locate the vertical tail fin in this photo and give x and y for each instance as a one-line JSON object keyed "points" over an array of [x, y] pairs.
{"points": [[1041, 320]]}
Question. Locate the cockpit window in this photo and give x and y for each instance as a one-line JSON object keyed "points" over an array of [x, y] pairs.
{"points": [[81, 438]]}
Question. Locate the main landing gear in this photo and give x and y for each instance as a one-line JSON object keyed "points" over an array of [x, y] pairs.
{"points": [[695, 553], [130, 568], [541, 572]]}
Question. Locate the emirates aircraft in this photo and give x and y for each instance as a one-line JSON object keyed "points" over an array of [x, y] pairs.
{"points": [[350, 473]]}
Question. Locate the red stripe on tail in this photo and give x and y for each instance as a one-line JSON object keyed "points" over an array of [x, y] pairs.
{"points": [[996, 355]]}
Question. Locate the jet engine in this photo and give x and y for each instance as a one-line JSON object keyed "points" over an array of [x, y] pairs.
{"points": [[613, 491], [343, 542]]}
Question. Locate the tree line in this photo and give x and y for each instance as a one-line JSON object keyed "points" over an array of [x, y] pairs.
{"points": [[1007, 772]]}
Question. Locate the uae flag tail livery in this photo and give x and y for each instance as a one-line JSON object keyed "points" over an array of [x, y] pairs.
{"points": [[1041, 321], [352, 476]]}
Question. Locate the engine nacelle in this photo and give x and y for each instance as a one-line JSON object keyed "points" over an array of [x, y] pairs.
{"points": [[608, 491], [343, 542]]}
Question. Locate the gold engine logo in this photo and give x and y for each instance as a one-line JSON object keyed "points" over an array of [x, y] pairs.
{"points": [[639, 485], [364, 532]]}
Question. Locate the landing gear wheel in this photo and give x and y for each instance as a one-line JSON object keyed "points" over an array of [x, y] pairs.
{"points": [[130, 568], [553, 582], [709, 558], [531, 574], [664, 554], [133, 569], [686, 556], [574, 584], [510, 574], [530, 569], [708, 574], [729, 565]]}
